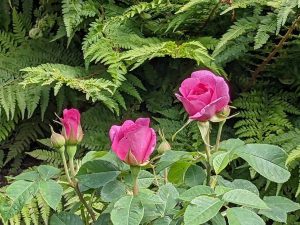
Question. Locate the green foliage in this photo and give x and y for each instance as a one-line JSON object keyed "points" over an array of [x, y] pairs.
{"points": [[258, 123], [117, 60]]}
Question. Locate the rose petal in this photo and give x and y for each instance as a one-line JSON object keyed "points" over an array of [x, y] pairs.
{"points": [[122, 148], [151, 146], [193, 106], [208, 111], [205, 76], [113, 132], [139, 142], [222, 90], [143, 122], [187, 85]]}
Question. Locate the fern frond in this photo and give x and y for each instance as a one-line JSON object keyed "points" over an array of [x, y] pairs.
{"points": [[18, 27], [7, 41], [239, 28], [267, 26], [256, 123], [75, 11], [51, 157], [44, 209], [189, 5], [27, 132], [139, 8], [293, 156], [34, 211], [73, 77], [285, 9], [242, 4]]}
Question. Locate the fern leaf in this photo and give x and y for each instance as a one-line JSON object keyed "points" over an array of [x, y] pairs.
{"points": [[25, 212], [43, 208], [239, 28], [74, 11], [283, 12], [18, 27], [51, 157], [267, 26], [292, 156], [189, 5]]}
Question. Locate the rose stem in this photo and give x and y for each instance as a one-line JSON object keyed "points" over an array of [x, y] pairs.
{"points": [[135, 170], [207, 150], [71, 149], [166, 176], [62, 153], [221, 124], [89, 208]]}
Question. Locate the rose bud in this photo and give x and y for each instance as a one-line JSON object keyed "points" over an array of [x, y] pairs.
{"points": [[133, 142], [163, 147], [57, 140], [72, 130], [203, 95]]}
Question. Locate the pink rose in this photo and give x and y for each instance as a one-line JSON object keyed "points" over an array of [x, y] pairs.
{"points": [[203, 95], [133, 142], [72, 130]]}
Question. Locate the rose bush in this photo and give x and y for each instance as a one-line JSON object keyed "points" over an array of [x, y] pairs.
{"points": [[203, 95], [171, 187]]}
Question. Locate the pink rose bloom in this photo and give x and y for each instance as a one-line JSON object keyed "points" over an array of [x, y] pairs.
{"points": [[133, 142], [72, 130], [203, 95]]}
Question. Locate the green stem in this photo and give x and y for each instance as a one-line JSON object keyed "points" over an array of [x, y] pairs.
{"points": [[62, 153], [88, 207], [166, 176], [208, 155], [135, 170], [71, 150], [221, 124]]}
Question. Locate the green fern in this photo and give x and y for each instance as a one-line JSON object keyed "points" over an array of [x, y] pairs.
{"points": [[239, 28], [27, 132], [75, 11], [259, 124], [285, 9], [96, 129], [73, 77], [267, 26], [242, 4], [51, 157]]}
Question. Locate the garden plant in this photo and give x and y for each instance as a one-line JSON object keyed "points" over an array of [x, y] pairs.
{"points": [[159, 112]]}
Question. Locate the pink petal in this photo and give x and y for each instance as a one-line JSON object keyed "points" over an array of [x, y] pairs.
{"points": [[139, 142], [151, 146], [222, 90], [187, 85], [113, 132], [122, 148], [205, 76], [208, 111], [193, 106], [143, 122]]}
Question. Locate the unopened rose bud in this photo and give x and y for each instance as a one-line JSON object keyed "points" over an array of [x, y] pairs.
{"points": [[72, 130], [57, 140], [222, 115], [163, 147]]}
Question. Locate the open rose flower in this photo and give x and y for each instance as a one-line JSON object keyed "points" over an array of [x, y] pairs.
{"points": [[72, 130], [133, 142], [203, 95]]}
